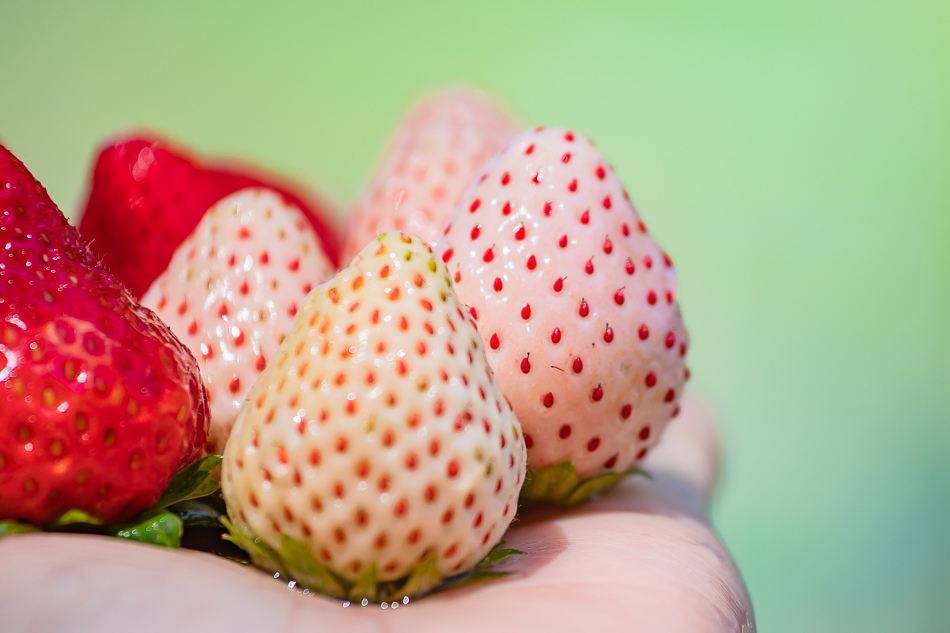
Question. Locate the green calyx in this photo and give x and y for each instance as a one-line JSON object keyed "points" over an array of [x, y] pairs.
{"points": [[162, 524], [191, 482], [559, 484], [156, 527], [294, 561], [15, 527]]}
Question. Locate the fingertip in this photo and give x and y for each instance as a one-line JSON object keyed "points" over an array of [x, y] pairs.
{"points": [[690, 450]]}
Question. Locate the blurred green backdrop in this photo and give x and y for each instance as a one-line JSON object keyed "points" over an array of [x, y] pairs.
{"points": [[794, 157]]}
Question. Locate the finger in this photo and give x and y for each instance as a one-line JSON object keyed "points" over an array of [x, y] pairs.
{"points": [[687, 460]]}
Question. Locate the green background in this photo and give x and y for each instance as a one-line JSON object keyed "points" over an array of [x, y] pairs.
{"points": [[793, 157]]}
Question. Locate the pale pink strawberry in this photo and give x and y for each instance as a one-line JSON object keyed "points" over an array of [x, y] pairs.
{"points": [[378, 435], [438, 150], [575, 300], [232, 289]]}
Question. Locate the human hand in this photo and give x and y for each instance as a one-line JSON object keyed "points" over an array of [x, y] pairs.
{"points": [[641, 558]]}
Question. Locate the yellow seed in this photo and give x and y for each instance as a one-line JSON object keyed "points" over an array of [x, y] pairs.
{"points": [[110, 437], [56, 448], [82, 476], [81, 422], [24, 433], [49, 397]]}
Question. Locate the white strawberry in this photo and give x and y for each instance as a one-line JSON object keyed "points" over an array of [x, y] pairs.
{"points": [[439, 148], [232, 289], [378, 438], [577, 305]]}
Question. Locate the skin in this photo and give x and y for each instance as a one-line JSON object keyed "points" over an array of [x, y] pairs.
{"points": [[641, 558]]}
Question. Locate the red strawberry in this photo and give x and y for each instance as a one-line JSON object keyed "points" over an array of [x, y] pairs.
{"points": [[147, 197], [232, 290], [99, 403], [438, 150], [378, 437], [576, 302]]}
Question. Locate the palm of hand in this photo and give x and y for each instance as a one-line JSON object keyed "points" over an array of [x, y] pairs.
{"points": [[642, 558]]}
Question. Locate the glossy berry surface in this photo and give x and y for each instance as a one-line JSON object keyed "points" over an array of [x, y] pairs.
{"points": [[147, 196], [99, 403]]}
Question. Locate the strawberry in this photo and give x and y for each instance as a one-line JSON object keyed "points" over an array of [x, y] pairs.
{"points": [[99, 403], [232, 290], [147, 196], [378, 438], [576, 302], [436, 153]]}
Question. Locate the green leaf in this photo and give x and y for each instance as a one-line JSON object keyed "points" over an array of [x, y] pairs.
{"points": [[559, 484], [155, 527], [482, 571], [197, 512], [366, 587], [262, 554], [590, 487], [300, 564], [15, 527], [423, 578], [193, 481], [482, 575], [71, 517], [599, 484], [497, 555], [552, 483]]}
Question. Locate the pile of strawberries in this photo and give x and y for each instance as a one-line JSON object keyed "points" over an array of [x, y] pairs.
{"points": [[494, 323]]}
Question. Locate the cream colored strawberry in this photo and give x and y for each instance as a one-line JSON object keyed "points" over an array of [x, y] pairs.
{"points": [[232, 290], [377, 435], [439, 148]]}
